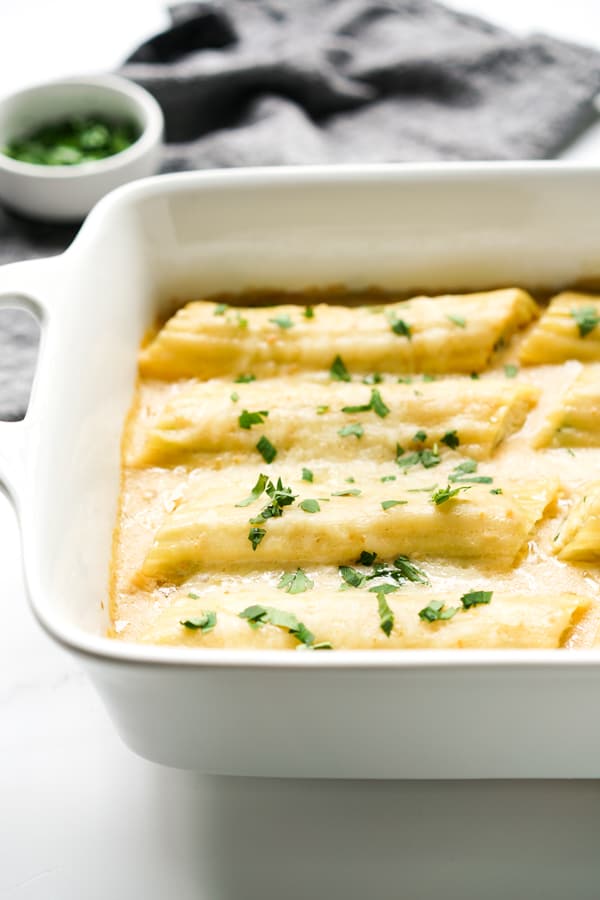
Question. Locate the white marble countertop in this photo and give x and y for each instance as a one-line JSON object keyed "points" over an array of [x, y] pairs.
{"points": [[82, 818]]}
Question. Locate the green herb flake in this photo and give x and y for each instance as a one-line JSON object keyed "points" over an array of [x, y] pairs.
{"points": [[307, 475], [255, 536], [496, 491], [399, 326], [366, 558], [241, 321], [388, 504], [258, 616], [283, 321], [256, 491], [245, 379], [364, 407], [386, 616], [235, 397], [322, 409], [295, 582], [377, 404], [586, 319], [310, 506], [451, 440], [475, 598], [420, 437], [410, 571], [266, 449], [467, 467], [474, 376], [354, 429], [338, 370], [436, 612], [404, 379], [442, 495], [388, 478], [349, 492], [352, 577], [248, 419], [510, 370], [220, 309], [205, 623], [460, 321], [309, 313], [374, 378]]}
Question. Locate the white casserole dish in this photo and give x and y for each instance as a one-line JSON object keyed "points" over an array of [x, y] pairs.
{"points": [[415, 714]]}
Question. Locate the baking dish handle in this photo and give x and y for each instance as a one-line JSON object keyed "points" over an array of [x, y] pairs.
{"points": [[22, 285]]}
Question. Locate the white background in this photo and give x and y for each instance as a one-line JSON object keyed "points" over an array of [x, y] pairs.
{"points": [[81, 818]]}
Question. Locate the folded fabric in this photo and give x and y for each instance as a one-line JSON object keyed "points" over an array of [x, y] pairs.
{"points": [[268, 82]]}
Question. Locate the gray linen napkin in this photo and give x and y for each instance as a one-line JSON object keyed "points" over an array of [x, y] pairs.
{"points": [[261, 82]]}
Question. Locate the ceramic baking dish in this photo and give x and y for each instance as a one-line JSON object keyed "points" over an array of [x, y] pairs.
{"points": [[415, 714]]}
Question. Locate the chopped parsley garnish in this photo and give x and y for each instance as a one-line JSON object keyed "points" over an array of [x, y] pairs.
{"points": [[235, 397], [352, 577], [280, 497], [462, 474], [248, 419], [586, 319], [309, 313], [366, 558], [475, 598], [426, 457], [365, 407], [283, 321], [409, 571], [496, 491], [510, 370], [399, 326], [474, 376], [388, 478], [457, 320], [436, 612], [242, 322], [295, 582], [266, 449], [258, 616], [420, 437], [451, 440], [375, 378], [256, 491], [388, 504], [442, 495], [375, 403], [404, 379], [307, 475], [221, 309], [322, 409], [206, 622], [245, 379], [310, 506], [349, 492], [338, 370], [255, 536], [355, 429], [386, 616], [350, 480]]}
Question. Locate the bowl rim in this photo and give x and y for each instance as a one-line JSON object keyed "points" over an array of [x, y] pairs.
{"points": [[150, 136]]}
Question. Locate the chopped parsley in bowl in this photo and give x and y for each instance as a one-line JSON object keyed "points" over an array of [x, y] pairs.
{"points": [[73, 141]]}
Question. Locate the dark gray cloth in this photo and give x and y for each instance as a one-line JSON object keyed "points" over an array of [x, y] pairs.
{"points": [[260, 82]]}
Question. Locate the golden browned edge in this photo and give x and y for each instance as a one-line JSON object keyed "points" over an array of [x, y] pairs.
{"points": [[254, 296]]}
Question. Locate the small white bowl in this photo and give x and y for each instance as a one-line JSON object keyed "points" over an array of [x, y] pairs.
{"points": [[67, 193]]}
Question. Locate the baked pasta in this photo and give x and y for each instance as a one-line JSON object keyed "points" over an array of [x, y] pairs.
{"points": [[328, 472]]}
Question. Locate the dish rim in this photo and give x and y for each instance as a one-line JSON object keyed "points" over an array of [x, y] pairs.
{"points": [[116, 651]]}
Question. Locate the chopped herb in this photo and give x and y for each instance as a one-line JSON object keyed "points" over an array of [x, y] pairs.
{"points": [[476, 479], [426, 457], [435, 612], [451, 440], [365, 407], [423, 490], [255, 536], [268, 615], [322, 645], [404, 379], [399, 326], [496, 491], [355, 429], [351, 480], [309, 313], [429, 458], [377, 404], [442, 495], [427, 378], [409, 571], [310, 506], [248, 419], [352, 577], [280, 497], [256, 491], [475, 598], [366, 558], [245, 379], [349, 492], [295, 582], [586, 319], [322, 409], [307, 475], [570, 451], [511, 371], [235, 397], [338, 370], [266, 449], [457, 320], [388, 478], [206, 622], [474, 376], [386, 616], [384, 588], [242, 322], [283, 321], [375, 378], [388, 504], [462, 469], [420, 437], [220, 309]]}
